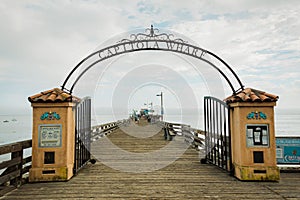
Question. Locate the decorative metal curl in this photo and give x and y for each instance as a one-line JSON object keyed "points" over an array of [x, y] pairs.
{"points": [[152, 34]]}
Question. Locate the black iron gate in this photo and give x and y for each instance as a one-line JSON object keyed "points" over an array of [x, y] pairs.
{"points": [[217, 130], [82, 134]]}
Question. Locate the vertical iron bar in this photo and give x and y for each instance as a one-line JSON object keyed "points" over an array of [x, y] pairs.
{"points": [[83, 132], [217, 134], [88, 142], [226, 135], [222, 135], [89, 128], [214, 131], [211, 130], [205, 127], [208, 130], [80, 135]]}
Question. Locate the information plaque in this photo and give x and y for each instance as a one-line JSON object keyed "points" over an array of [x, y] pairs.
{"points": [[288, 150], [50, 135], [257, 135]]}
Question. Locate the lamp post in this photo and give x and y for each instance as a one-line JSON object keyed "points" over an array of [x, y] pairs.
{"points": [[161, 105]]}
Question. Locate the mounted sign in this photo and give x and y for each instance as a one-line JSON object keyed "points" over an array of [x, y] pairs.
{"points": [[288, 150], [257, 135], [50, 135]]}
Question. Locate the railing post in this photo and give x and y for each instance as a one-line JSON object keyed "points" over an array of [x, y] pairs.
{"points": [[17, 154]]}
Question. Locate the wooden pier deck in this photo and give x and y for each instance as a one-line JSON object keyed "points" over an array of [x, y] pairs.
{"points": [[185, 178]]}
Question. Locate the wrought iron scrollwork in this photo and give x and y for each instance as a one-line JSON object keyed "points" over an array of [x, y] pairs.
{"points": [[152, 34]]}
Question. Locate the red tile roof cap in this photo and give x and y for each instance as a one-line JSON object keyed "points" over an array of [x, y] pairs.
{"points": [[53, 95], [251, 95]]}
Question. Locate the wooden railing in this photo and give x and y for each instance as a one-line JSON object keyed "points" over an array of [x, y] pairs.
{"points": [[104, 129], [17, 166], [218, 151], [193, 136]]}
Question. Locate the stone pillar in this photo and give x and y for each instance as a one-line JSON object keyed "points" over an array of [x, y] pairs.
{"points": [[253, 135], [53, 136]]}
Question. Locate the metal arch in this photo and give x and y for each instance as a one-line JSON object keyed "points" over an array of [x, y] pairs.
{"points": [[91, 65], [156, 38], [231, 70], [74, 69]]}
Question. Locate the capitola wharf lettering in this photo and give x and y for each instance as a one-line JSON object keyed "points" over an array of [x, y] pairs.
{"points": [[167, 45]]}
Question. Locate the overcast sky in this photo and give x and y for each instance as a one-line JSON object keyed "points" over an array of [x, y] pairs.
{"points": [[41, 41]]}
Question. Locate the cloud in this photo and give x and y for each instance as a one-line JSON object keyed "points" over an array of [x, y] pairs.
{"points": [[41, 41]]}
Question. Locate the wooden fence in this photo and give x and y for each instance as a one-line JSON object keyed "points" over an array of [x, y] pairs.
{"points": [[193, 136], [104, 129], [14, 169]]}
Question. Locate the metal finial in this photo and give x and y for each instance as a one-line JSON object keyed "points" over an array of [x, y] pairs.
{"points": [[151, 31]]}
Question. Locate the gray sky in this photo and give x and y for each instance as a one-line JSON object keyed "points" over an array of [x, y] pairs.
{"points": [[41, 41]]}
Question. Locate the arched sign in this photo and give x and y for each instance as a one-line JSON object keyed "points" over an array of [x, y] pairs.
{"points": [[153, 40]]}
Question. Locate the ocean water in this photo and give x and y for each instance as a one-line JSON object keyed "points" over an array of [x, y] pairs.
{"points": [[19, 127]]}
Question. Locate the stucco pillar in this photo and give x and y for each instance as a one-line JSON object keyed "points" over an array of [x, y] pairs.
{"points": [[253, 135], [53, 136]]}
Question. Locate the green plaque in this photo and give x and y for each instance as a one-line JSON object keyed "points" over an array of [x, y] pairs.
{"points": [[50, 135]]}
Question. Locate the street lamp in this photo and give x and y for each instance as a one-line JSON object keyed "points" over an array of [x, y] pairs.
{"points": [[161, 105]]}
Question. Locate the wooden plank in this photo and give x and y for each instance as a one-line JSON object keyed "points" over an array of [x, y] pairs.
{"points": [[5, 189], [10, 148], [26, 144], [14, 147], [10, 163], [10, 176]]}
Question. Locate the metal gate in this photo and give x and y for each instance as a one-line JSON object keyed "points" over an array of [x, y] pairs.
{"points": [[82, 133], [217, 130]]}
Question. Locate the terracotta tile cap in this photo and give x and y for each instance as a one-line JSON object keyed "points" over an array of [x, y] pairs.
{"points": [[247, 97], [60, 98], [264, 97], [36, 96], [247, 90], [53, 95], [241, 95], [43, 97], [65, 96], [254, 97], [48, 91], [251, 95], [272, 96]]}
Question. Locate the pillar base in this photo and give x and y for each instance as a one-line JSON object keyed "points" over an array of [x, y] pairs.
{"points": [[257, 173], [50, 174]]}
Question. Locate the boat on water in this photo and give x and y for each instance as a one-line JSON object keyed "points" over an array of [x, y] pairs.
{"points": [[5, 121], [14, 120]]}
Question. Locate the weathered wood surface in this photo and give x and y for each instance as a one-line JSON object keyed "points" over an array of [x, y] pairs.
{"points": [[17, 166], [185, 178]]}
